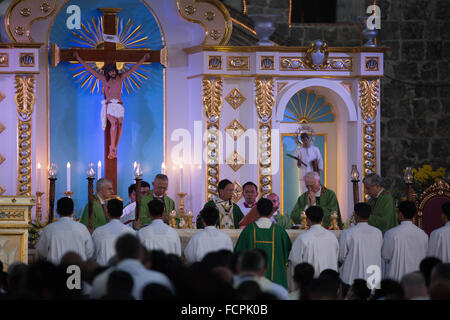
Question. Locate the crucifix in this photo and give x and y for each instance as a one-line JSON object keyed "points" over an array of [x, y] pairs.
{"points": [[110, 55]]}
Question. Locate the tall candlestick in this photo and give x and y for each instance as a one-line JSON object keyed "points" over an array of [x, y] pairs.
{"points": [[38, 173], [181, 177], [134, 168], [99, 171], [68, 176]]}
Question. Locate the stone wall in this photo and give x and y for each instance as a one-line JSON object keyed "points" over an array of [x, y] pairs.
{"points": [[415, 104]]}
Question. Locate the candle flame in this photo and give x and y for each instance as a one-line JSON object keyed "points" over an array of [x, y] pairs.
{"points": [[39, 165], [99, 163], [68, 164]]}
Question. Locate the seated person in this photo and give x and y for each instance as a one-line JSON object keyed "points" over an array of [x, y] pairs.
{"points": [[229, 213], [317, 195]]}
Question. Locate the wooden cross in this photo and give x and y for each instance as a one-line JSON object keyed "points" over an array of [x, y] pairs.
{"points": [[108, 55]]}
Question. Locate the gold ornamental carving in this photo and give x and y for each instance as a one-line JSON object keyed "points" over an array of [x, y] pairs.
{"points": [[237, 194], [2, 127], [368, 100], [238, 63], [25, 99], [280, 86], [212, 15], [4, 62], [21, 14], [235, 161], [235, 98], [2, 190], [264, 100], [438, 189], [2, 159], [235, 129], [11, 214], [317, 55], [214, 63]]}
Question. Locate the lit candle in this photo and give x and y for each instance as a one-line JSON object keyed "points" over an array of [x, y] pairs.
{"points": [[181, 177], [162, 168], [134, 168], [68, 176], [99, 171], [38, 173]]}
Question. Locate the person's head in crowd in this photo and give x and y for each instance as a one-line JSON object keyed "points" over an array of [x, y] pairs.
{"points": [[115, 208], [224, 274], [64, 207], [312, 181], [71, 258], [446, 212], [389, 290], [234, 260], [132, 192], [372, 184], [321, 289], [17, 278], [251, 262], [220, 258], [264, 207], [156, 291], [314, 215], [104, 188], [226, 189], [333, 276], [160, 185], [159, 261], [156, 209], [414, 286], [128, 246], [119, 286], [406, 210], [362, 212], [250, 192], [275, 200], [209, 215], [358, 290], [249, 290], [426, 267], [145, 188], [440, 273], [303, 274], [440, 291], [44, 280], [146, 257]]}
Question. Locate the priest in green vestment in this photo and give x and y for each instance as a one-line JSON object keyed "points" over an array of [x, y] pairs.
{"points": [[317, 195], [103, 192], [384, 215], [271, 238], [229, 213]]}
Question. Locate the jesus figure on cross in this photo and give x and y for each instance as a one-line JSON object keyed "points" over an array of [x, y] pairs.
{"points": [[112, 105]]}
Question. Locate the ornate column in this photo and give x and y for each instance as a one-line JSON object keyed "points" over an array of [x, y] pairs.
{"points": [[212, 104], [264, 102], [368, 103], [25, 100]]}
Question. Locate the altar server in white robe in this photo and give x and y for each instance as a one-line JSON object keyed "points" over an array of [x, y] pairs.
{"points": [[439, 244], [105, 237], [130, 256], [359, 247], [316, 246], [404, 246], [64, 235], [158, 235], [210, 239]]}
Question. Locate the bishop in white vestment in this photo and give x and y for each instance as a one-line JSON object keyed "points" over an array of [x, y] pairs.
{"points": [[158, 235], [404, 246], [64, 235], [316, 246], [359, 247]]}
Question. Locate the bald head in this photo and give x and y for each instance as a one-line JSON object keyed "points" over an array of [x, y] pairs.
{"points": [[414, 285]]}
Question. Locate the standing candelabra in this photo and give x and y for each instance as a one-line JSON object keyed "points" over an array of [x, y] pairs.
{"points": [[52, 172], [354, 177], [138, 178], [90, 173], [409, 181], [39, 207], [182, 195], [303, 225]]}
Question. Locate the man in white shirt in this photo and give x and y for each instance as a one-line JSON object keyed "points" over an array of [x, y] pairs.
{"points": [[64, 235], [317, 246], [439, 244], [130, 256], [309, 159], [250, 193], [404, 246], [359, 247], [251, 266], [105, 237], [158, 235], [128, 212], [209, 239]]}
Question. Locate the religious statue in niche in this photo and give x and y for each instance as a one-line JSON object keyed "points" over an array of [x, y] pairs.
{"points": [[112, 105]]}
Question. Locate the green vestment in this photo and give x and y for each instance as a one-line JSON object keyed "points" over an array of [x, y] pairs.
{"points": [[283, 221], [384, 216], [275, 242], [237, 215], [169, 204], [328, 202], [98, 214]]}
